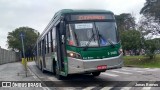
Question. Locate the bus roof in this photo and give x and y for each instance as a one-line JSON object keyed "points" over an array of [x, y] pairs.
{"points": [[74, 11]]}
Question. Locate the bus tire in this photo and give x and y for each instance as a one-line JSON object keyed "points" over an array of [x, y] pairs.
{"points": [[96, 73], [58, 76], [54, 67]]}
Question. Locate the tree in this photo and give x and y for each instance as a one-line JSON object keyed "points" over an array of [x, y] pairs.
{"points": [[131, 40], [150, 47], [125, 21], [152, 8], [30, 37], [126, 27], [148, 26]]}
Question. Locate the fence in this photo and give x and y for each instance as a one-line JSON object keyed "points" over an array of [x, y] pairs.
{"points": [[7, 56]]}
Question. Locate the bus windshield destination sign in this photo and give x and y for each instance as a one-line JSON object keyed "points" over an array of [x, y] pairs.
{"points": [[92, 17]]}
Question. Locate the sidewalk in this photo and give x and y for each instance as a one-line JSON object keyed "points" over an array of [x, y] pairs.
{"points": [[15, 72]]}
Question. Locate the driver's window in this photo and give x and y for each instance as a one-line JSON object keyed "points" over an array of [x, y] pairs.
{"points": [[70, 37]]}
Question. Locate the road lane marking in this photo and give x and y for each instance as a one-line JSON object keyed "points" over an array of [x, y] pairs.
{"points": [[88, 88], [121, 72], [126, 88], [130, 70], [106, 88], [68, 88], [152, 70], [141, 69], [146, 88], [137, 69], [147, 68], [109, 74], [45, 88]]}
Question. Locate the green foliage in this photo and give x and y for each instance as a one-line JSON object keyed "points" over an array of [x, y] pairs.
{"points": [[131, 40], [129, 36], [150, 46], [14, 40]]}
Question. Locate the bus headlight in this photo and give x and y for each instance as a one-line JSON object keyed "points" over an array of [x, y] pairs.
{"points": [[73, 55], [120, 51]]}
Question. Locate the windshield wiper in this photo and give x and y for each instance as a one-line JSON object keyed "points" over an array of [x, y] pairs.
{"points": [[86, 47], [100, 36], [111, 43]]}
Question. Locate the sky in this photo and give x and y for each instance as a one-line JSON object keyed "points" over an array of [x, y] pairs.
{"points": [[37, 13]]}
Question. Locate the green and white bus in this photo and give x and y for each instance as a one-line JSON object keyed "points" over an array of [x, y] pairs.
{"points": [[79, 41]]}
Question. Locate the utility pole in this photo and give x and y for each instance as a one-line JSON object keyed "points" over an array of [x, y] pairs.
{"points": [[25, 62]]}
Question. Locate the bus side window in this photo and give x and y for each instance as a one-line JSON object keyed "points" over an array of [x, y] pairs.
{"points": [[39, 48], [46, 44], [53, 39], [49, 42], [43, 46]]}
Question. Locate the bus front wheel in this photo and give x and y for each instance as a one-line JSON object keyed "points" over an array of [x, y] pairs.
{"points": [[96, 73], [59, 77]]}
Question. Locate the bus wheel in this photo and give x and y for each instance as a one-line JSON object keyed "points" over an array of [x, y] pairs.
{"points": [[54, 67], [96, 73], [59, 77]]}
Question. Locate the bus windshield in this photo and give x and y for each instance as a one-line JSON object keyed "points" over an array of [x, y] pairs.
{"points": [[96, 33]]}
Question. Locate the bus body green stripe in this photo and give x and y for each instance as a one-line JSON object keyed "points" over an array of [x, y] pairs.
{"points": [[96, 53]]}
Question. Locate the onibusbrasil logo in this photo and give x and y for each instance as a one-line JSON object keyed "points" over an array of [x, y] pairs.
{"points": [[21, 84]]}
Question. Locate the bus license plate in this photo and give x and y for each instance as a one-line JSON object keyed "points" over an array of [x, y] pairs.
{"points": [[102, 67]]}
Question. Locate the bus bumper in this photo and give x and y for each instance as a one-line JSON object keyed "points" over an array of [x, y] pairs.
{"points": [[87, 66]]}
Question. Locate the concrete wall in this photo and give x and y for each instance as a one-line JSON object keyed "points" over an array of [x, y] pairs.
{"points": [[7, 56]]}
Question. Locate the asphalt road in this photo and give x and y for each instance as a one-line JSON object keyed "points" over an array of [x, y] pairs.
{"points": [[126, 78]]}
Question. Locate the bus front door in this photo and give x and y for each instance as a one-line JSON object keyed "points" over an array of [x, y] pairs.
{"points": [[60, 52]]}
